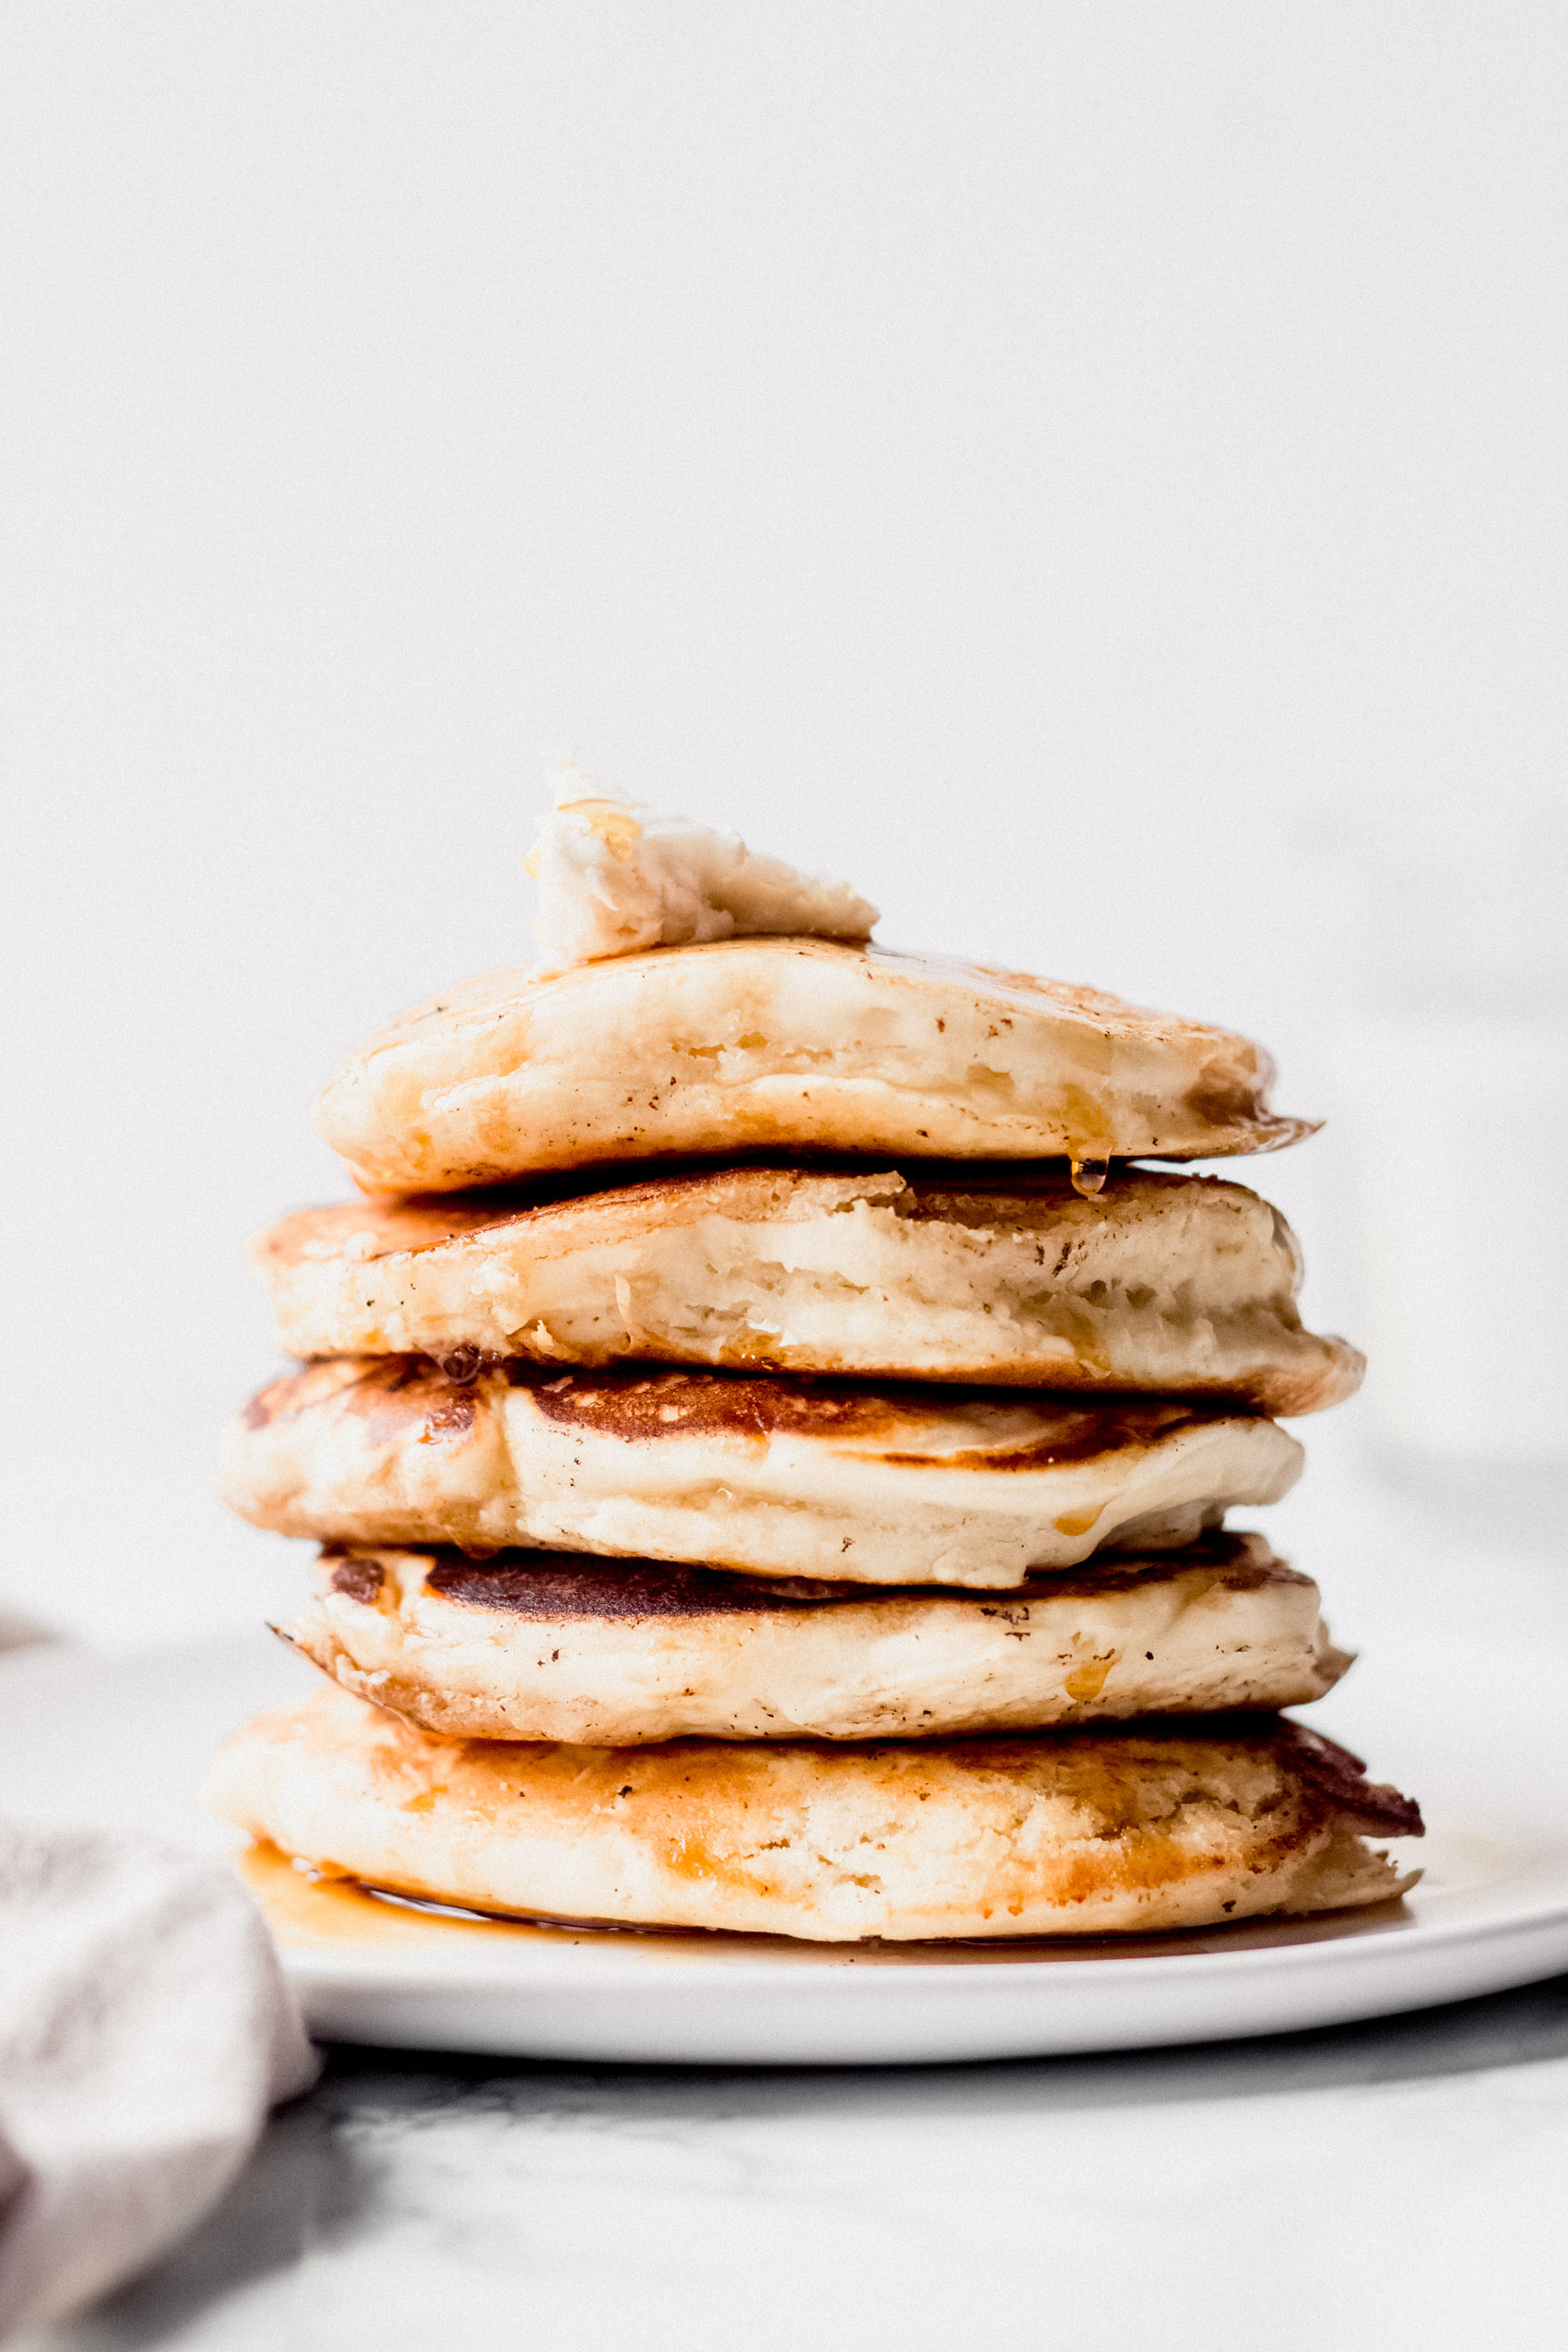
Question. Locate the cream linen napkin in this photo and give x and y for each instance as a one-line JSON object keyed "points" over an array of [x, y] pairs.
{"points": [[144, 2030]]}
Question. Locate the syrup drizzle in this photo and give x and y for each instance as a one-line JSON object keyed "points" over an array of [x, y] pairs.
{"points": [[1088, 1177]]}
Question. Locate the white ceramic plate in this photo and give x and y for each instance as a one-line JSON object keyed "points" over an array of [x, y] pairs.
{"points": [[1473, 1737]]}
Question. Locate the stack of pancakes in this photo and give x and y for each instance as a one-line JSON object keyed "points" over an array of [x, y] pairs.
{"points": [[771, 1449]]}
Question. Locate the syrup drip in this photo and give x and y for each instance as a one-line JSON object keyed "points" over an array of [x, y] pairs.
{"points": [[1088, 1177]]}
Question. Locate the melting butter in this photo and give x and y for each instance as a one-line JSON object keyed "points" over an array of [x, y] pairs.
{"points": [[615, 877]]}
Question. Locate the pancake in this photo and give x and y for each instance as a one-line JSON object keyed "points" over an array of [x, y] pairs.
{"points": [[1087, 1832], [1180, 1284], [903, 1485], [759, 1044], [557, 1646]]}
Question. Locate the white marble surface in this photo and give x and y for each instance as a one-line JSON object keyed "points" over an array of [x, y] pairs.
{"points": [[1389, 2185]]}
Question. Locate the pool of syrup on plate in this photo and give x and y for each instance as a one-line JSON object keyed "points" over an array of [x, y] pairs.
{"points": [[306, 1909]]}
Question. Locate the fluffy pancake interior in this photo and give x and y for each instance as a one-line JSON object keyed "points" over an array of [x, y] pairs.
{"points": [[889, 1484], [1160, 1282]]}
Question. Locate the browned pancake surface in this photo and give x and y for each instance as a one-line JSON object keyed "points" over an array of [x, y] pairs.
{"points": [[643, 1407], [575, 1584]]}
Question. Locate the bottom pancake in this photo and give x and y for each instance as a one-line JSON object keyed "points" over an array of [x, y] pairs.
{"points": [[563, 1646], [1092, 1831]]}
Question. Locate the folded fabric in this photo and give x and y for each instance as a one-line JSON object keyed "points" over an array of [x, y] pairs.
{"points": [[144, 2030]]}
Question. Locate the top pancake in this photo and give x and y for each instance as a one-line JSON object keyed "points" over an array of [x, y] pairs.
{"points": [[758, 1044]]}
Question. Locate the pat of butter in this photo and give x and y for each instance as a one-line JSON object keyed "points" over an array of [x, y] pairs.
{"points": [[615, 878]]}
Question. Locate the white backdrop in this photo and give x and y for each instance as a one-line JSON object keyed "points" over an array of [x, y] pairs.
{"points": [[1090, 474]]}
